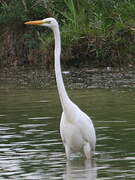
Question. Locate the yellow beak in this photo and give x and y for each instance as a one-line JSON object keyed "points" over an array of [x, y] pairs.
{"points": [[38, 22]]}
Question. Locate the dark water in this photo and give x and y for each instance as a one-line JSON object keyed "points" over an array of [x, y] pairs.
{"points": [[30, 144]]}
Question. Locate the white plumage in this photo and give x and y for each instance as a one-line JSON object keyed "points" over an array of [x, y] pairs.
{"points": [[76, 128]]}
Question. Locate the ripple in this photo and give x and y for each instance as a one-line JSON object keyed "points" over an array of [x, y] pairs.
{"points": [[124, 121], [2, 115], [130, 158], [40, 118], [31, 125], [43, 101]]}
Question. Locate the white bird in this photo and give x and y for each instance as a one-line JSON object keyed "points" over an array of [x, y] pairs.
{"points": [[76, 127]]}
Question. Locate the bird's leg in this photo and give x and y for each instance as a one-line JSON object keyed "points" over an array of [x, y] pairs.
{"points": [[87, 150], [67, 151]]}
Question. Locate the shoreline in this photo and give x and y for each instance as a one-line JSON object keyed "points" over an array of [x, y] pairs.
{"points": [[73, 78]]}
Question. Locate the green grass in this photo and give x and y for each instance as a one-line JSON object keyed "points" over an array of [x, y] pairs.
{"points": [[94, 32]]}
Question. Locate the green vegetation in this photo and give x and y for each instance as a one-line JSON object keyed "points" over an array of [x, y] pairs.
{"points": [[94, 32]]}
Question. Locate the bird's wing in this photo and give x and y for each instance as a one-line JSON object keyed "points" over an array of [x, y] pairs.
{"points": [[87, 129]]}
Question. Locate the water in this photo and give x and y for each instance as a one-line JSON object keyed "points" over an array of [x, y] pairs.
{"points": [[30, 144]]}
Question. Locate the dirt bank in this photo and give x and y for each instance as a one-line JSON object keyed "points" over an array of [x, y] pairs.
{"points": [[73, 78]]}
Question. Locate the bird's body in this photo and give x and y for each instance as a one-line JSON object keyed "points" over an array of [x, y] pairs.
{"points": [[77, 132], [76, 128]]}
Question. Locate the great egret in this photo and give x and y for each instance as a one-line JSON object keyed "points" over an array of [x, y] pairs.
{"points": [[76, 128]]}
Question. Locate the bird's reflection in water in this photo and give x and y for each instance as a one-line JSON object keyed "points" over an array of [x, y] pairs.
{"points": [[80, 170]]}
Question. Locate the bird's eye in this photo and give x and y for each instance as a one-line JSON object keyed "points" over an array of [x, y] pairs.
{"points": [[49, 22]]}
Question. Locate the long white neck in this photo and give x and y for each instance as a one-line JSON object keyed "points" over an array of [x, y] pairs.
{"points": [[65, 101]]}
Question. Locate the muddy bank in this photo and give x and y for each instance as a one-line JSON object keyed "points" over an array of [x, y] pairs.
{"points": [[73, 78]]}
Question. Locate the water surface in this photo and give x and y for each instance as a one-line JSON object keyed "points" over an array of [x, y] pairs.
{"points": [[31, 147]]}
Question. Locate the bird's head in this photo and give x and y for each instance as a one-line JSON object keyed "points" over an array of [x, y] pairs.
{"points": [[48, 22]]}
